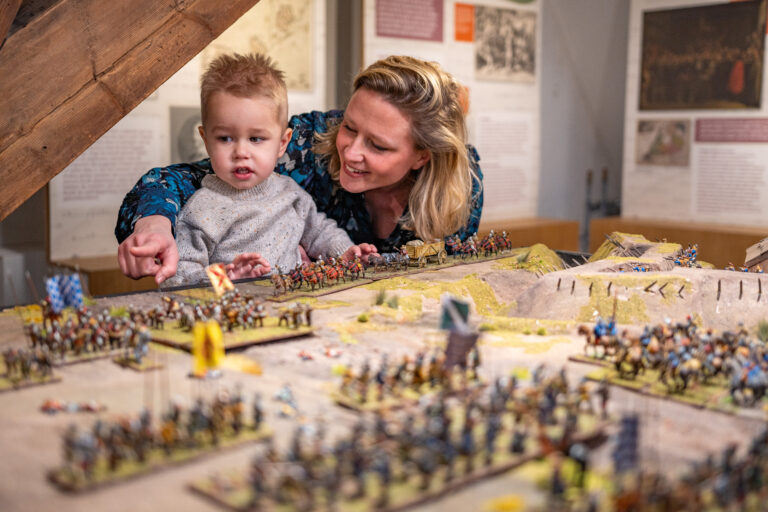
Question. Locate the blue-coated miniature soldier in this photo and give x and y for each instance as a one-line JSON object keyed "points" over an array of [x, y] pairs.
{"points": [[381, 376], [467, 446], [295, 453], [517, 441], [579, 453], [381, 466], [557, 484], [426, 463], [492, 427], [405, 444], [448, 453], [256, 478]]}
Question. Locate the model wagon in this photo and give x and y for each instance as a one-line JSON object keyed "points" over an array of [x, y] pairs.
{"points": [[421, 253]]}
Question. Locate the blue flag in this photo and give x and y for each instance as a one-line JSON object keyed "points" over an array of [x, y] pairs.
{"points": [[64, 291]]}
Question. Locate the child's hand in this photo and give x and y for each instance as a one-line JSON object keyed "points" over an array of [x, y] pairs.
{"points": [[361, 251], [249, 264]]}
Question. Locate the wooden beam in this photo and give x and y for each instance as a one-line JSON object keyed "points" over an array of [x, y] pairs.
{"points": [[79, 67], [28, 11], [8, 11]]}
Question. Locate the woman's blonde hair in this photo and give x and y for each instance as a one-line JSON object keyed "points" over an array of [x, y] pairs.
{"points": [[435, 103]]}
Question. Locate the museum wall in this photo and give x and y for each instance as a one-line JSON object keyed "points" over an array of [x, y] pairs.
{"points": [[581, 75], [696, 109], [583, 60]]}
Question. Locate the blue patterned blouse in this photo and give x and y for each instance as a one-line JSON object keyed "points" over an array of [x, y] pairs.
{"points": [[164, 190]]}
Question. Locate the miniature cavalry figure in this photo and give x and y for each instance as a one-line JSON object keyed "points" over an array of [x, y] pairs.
{"points": [[355, 268]]}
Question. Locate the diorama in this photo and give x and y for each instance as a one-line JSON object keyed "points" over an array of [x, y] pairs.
{"points": [[504, 367], [474, 372]]}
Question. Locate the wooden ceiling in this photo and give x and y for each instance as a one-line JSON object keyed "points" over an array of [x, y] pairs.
{"points": [[71, 69]]}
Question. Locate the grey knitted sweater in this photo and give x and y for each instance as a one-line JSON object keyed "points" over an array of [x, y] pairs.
{"points": [[273, 218]]}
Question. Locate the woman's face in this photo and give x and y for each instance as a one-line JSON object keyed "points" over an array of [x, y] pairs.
{"points": [[375, 146]]}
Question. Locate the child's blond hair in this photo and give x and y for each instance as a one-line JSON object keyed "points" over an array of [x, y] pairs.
{"points": [[245, 76]]}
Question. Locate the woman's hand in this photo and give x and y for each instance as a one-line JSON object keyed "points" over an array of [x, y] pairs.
{"points": [[247, 265], [150, 250], [362, 251]]}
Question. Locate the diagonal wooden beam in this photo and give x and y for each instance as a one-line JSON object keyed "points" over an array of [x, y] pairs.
{"points": [[8, 10], [78, 68]]}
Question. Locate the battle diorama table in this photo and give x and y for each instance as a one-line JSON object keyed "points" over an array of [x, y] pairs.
{"points": [[528, 309]]}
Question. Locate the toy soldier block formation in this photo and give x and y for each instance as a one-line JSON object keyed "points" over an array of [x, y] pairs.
{"points": [[405, 458], [684, 362], [112, 451]]}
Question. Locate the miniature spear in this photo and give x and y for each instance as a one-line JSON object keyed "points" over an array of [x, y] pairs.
{"points": [[32, 286]]}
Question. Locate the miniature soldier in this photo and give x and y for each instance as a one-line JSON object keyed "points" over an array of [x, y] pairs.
{"points": [[295, 312], [307, 308], [259, 313], [417, 378], [142, 344], [557, 484], [579, 453], [284, 316], [398, 378], [236, 410], [380, 427], [467, 447], [346, 380], [295, 453], [448, 453], [426, 463], [603, 392], [517, 442], [492, 427], [26, 364], [357, 459], [381, 467], [381, 376], [405, 443], [70, 436], [117, 445], [169, 431], [362, 381], [474, 362], [218, 414], [330, 480], [583, 395], [258, 411], [196, 421], [86, 450], [433, 371]]}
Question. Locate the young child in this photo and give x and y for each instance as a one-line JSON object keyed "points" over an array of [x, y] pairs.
{"points": [[245, 215]]}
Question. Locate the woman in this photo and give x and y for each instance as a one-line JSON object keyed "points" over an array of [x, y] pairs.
{"points": [[392, 167]]}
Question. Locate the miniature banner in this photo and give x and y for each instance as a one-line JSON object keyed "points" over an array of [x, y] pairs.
{"points": [[455, 313], [218, 276], [459, 345], [64, 291], [207, 348]]}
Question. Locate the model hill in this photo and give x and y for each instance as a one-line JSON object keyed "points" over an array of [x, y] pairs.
{"points": [[638, 281]]}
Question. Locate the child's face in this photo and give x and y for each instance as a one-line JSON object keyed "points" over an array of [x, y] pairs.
{"points": [[243, 137]]}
